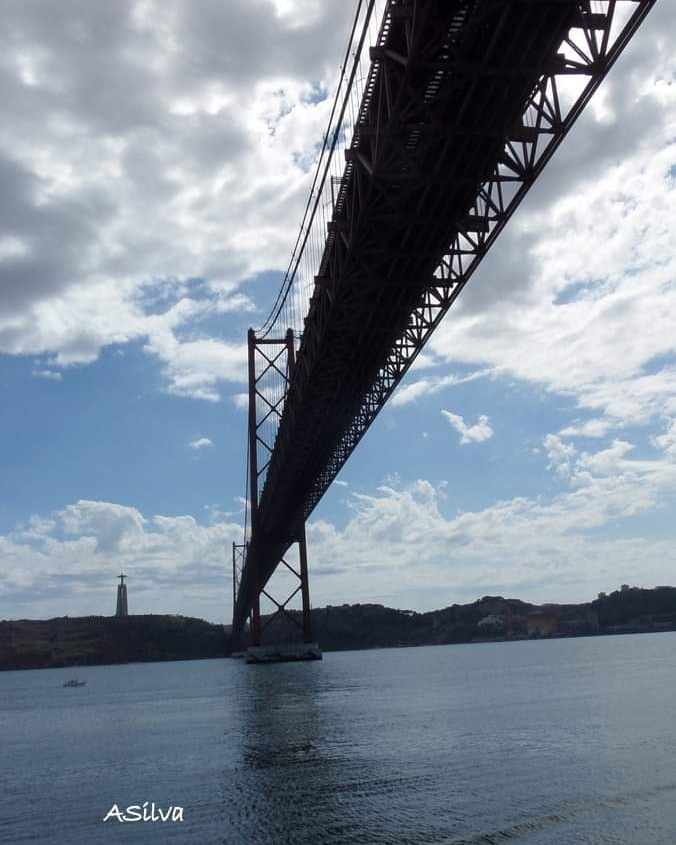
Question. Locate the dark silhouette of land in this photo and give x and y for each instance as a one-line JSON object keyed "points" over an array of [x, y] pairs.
{"points": [[27, 644], [90, 640]]}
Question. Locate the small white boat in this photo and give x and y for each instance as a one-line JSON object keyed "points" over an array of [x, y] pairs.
{"points": [[74, 682]]}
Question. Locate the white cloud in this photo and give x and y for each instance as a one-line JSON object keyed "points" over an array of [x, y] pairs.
{"points": [[137, 214], [561, 549], [590, 428], [195, 368], [430, 385], [398, 545], [477, 433], [200, 443], [196, 154], [12, 247], [110, 524], [53, 375], [667, 441], [560, 454], [340, 483], [240, 401], [150, 170], [67, 563]]}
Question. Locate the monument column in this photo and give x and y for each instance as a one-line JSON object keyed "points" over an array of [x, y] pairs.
{"points": [[121, 609]]}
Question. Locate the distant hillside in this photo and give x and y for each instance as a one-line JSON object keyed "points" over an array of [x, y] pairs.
{"points": [[98, 639], [494, 618], [634, 608], [28, 644], [375, 626]]}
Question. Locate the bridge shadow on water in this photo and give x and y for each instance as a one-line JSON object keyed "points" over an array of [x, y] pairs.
{"points": [[457, 746], [327, 757], [305, 776], [290, 784]]}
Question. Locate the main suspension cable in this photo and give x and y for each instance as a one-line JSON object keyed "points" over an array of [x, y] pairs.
{"points": [[304, 230]]}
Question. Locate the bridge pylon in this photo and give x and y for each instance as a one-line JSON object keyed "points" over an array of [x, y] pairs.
{"points": [[281, 634]]}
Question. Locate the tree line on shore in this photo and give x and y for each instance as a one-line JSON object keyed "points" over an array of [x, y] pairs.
{"points": [[81, 641]]}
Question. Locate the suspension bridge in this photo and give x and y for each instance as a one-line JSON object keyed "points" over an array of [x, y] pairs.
{"points": [[445, 114]]}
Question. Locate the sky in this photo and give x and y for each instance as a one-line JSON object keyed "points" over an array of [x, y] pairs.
{"points": [[155, 159]]}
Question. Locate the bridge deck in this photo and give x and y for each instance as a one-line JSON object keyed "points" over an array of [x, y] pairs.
{"points": [[449, 85]]}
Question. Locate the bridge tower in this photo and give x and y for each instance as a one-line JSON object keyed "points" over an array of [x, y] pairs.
{"points": [[271, 364]]}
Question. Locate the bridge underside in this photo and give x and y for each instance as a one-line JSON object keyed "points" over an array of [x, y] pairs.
{"points": [[462, 109]]}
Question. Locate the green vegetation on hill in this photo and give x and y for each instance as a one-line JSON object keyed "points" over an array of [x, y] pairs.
{"points": [[97, 639], [494, 617], [82, 641], [375, 626], [632, 607]]}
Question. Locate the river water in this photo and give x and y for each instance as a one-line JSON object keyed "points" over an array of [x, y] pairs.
{"points": [[561, 741]]}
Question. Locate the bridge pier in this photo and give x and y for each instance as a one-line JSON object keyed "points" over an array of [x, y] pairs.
{"points": [[281, 635]]}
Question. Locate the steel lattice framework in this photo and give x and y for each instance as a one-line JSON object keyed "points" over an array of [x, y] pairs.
{"points": [[464, 104]]}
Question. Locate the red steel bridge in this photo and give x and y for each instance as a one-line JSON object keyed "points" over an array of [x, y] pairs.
{"points": [[445, 114]]}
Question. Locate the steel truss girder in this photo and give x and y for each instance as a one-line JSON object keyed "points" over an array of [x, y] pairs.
{"points": [[440, 139], [527, 149]]}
